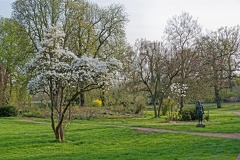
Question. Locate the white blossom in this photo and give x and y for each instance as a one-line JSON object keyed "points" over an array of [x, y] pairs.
{"points": [[179, 89], [57, 65]]}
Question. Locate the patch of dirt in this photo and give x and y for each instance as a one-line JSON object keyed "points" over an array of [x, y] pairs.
{"points": [[237, 113], [33, 121], [238, 158]]}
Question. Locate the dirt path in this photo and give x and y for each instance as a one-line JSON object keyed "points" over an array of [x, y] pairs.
{"points": [[32, 121], [237, 113], [219, 135], [154, 130]]}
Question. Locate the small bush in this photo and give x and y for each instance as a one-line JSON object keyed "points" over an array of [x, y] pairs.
{"points": [[7, 111], [167, 105], [97, 103], [188, 114], [140, 104]]}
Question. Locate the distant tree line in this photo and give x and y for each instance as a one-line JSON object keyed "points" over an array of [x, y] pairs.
{"points": [[187, 65]]}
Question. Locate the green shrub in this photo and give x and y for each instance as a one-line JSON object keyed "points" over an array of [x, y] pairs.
{"points": [[167, 105], [188, 114], [7, 111], [140, 104]]}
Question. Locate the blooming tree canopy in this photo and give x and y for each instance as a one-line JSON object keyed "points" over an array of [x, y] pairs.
{"points": [[179, 89], [54, 63]]}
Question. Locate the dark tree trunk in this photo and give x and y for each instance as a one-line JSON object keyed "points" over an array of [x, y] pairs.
{"points": [[155, 108], [217, 97], [103, 98], [59, 134], [82, 99], [181, 103], [160, 106]]}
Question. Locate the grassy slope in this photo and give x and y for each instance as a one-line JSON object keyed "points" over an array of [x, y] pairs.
{"points": [[92, 139]]}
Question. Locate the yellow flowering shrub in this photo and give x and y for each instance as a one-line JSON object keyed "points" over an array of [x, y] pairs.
{"points": [[97, 103]]}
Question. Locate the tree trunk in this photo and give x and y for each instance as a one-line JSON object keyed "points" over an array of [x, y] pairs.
{"points": [[219, 104], [160, 106], [181, 103], [82, 99], [52, 120], [4, 79], [155, 108], [230, 75], [61, 133], [57, 132], [217, 97], [103, 98], [57, 137]]}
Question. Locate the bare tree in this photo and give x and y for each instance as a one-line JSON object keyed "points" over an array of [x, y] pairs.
{"points": [[220, 51], [229, 45], [181, 34], [149, 66]]}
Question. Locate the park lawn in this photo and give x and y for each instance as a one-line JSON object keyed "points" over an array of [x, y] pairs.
{"points": [[222, 120], [102, 139]]}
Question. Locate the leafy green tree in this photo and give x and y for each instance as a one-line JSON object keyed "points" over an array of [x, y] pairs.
{"points": [[15, 51]]}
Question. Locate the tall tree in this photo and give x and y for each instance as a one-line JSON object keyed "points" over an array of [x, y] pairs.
{"points": [[229, 46], [100, 33], [4, 78], [181, 34], [90, 30], [37, 15], [15, 51], [149, 67], [220, 51]]}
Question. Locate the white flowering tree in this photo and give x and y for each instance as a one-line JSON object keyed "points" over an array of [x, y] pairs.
{"points": [[178, 90], [57, 73]]}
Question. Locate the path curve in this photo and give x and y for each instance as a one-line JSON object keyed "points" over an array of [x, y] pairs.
{"points": [[237, 113], [154, 130], [219, 135]]}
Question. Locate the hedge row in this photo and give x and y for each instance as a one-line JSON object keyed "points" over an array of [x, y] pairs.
{"points": [[7, 111]]}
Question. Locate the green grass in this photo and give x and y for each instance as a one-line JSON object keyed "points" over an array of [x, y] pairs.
{"points": [[102, 139]]}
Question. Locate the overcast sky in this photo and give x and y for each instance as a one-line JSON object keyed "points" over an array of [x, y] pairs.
{"points": [[148, 18]]}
